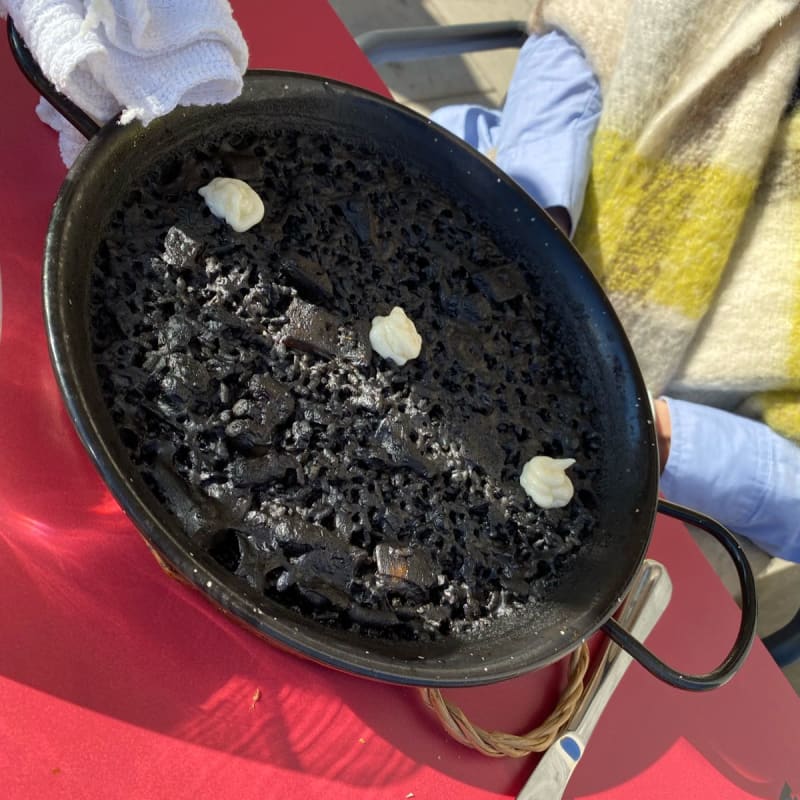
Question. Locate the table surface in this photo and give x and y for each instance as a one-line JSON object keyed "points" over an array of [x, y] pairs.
{"points": [[117, 681]]}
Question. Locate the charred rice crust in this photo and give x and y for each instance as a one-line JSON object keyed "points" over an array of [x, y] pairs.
{"points": [[238, 370]]}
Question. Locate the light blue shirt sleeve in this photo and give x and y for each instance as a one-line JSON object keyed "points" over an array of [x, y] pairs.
{"points": [[737, 471], [542, 138]]}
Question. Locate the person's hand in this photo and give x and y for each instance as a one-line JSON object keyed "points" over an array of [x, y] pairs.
{"points": [[663, 431], [560, 216]]}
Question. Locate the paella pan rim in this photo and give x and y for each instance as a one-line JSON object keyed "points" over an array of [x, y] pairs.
{"points": [[466, 661]]}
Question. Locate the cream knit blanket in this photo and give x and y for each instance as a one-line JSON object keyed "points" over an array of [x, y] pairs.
{"points": [[692, 215]]}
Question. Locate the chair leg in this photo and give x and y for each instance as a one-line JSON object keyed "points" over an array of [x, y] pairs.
{"points": [[784, 644]]}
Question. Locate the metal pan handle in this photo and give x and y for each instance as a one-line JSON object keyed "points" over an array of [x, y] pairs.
{"points": [[78, 118], [741, 647]]}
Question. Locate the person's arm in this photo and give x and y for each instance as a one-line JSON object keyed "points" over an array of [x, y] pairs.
{"points": [[734, 469], [542, 138]]}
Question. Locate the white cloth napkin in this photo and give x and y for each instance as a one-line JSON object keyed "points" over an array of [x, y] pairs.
{"points": [[139, 57]]}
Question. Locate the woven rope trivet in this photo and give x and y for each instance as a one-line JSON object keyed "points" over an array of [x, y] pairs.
{"points": [[497, 744]]}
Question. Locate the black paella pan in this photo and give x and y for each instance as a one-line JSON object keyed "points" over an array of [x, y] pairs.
{"points": [[590, 585]]}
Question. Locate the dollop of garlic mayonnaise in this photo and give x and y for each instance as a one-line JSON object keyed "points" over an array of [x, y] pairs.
{"points": [[395, 337], [234, 201], [545, 481]]}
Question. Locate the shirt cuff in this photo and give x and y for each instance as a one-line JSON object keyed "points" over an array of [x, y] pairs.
{"points": [[551, 175], [737, 471]]}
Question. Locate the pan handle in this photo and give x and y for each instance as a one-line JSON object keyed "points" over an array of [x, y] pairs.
{"points": [[76, 117], [741, 647]]}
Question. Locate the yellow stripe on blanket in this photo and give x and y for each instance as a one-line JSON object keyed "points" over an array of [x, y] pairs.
{"points": [[657, 230], [781, 409]]}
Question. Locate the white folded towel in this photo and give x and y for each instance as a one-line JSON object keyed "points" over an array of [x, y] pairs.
{"points": [[139, 57]]}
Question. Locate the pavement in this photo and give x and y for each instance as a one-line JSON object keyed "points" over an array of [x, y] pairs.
{"points": [[483, 78]]}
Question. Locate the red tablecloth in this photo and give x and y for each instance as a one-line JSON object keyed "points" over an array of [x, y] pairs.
{"points": [[118, 682]]}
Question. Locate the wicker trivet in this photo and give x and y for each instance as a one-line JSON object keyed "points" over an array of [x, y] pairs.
{"points": [[498, 744]]}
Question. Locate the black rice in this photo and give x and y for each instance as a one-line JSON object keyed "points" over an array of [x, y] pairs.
{"points": [[238, 369]]}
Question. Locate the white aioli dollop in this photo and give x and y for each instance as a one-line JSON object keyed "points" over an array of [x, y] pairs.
{"points": [[234, 201], [545, 481], [395, 337]]}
